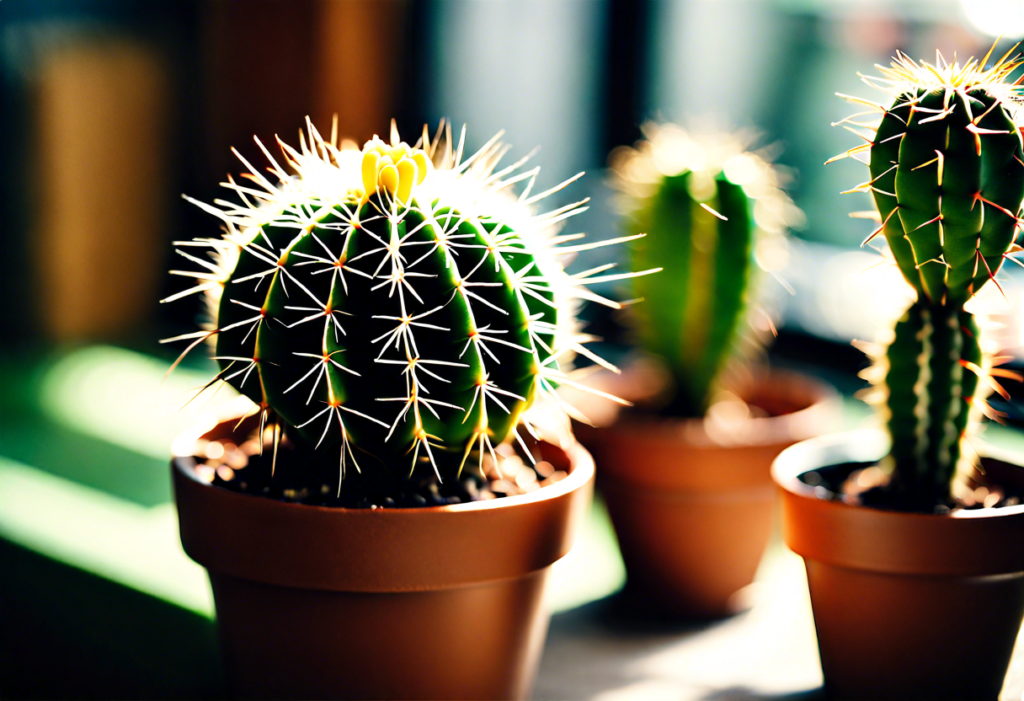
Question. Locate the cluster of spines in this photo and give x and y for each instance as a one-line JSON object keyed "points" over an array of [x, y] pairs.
{"points": [[947, 178], [340, 293]]}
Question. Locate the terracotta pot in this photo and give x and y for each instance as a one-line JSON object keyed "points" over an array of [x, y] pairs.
{"points": [[691, 500], [905, 605], [433, 602]]}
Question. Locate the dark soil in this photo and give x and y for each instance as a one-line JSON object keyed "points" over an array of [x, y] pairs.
{"points": [[306, 476], [864, 484]]}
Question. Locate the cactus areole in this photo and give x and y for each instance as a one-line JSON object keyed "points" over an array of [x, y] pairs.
{"points": [[947, 178], [397, 303]]}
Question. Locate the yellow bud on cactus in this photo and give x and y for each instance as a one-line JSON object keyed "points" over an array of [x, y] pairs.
{"points": [[395, 169]]}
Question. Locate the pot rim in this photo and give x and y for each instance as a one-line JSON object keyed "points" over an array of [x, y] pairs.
{"points": [[780, 429], [575, 479], [674, 455], [962, 543], [383, 549]]}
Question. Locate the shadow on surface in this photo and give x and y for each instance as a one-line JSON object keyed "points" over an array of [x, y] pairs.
{"points": [[45, 445], [624, 613], [741, 693], [615, 650], [65, 633]]}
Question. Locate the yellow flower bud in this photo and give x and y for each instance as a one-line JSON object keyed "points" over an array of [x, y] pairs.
{"points": [[394, 169]]}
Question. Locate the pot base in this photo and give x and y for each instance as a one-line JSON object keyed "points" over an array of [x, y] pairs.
{"points": [[331, 602], [698, 570], [906, 605], [691, 500], [398, 642], [886, 636]]}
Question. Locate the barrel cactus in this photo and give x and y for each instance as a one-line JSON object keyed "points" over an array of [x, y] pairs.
{"points": [[714, 213], [394, 301], [947, 177]]}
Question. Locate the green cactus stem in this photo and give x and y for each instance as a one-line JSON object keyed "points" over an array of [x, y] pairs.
{"points": [[947, 177], [934, 363], [395, 300], [709, 207]]}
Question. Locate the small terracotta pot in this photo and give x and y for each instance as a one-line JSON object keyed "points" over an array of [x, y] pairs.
{"points": [[905, 605], [691, 500], [433, 602]]}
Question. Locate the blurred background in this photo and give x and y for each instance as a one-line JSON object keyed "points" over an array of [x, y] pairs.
{"points": [[110, 110]]}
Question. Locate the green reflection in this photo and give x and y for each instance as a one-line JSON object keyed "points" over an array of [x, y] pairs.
{"points": [[122, 397], [132, 545]]}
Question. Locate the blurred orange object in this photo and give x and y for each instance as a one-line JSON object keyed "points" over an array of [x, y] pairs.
{"points": [[100, 188]]}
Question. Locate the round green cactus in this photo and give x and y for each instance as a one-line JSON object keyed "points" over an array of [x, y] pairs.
{"points": [[395, 300], [711, 210], [947, 177]]}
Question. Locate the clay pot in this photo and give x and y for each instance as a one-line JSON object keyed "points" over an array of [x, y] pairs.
{"points": [[691, 500], [905, 605], [433, 602]]}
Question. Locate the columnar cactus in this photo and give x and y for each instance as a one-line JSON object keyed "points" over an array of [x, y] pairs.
{"points": [[947, 176], [395, 300], [932, 382], [711, 210]]}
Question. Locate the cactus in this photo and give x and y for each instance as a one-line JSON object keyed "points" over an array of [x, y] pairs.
{"points": [[708, 206], [394, 300], [930, 397], [947, 177]]}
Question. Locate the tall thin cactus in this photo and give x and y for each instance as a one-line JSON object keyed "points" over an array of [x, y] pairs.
{"points": [[712, 211], [947, 177]]}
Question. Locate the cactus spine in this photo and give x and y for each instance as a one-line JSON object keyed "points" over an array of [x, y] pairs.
{"points": [[395, 300], [947, 177], [708, 206]]}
